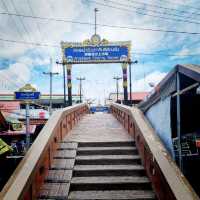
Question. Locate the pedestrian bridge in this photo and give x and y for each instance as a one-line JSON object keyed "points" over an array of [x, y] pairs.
{"points": [[115, 155]]}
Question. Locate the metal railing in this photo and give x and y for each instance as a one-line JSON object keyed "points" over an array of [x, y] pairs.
{"points": [[167, 180], [30, 173]]}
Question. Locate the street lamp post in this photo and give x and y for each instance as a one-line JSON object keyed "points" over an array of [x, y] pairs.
{"points": [[130, 81], [117, 78]]}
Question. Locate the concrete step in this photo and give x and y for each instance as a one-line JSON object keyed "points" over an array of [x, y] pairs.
{"points": [[110, 183], [62, 154], [113, 151], [54, 191], [59, 176], [112, 194], [114, 157], [108, 170], [62, 164], [106, 144], [106, 148], [68, 145], [108, 160]]}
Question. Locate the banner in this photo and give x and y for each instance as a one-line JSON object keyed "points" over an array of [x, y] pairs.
{"points": [[110, 53]]}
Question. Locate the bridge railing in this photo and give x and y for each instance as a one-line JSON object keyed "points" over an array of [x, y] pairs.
{"points": [[30, 173], [167, 180]]}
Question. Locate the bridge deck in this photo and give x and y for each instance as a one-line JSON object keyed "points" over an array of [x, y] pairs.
{"points": [[98, 128], [97, 160]]}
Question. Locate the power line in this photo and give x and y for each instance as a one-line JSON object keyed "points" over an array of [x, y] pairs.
{"points": [[162, 7], [29, 43], [25, 29], [180, 4], [159, 54], [102, 25], [32, 12], [56, 46], [149, 10], [12, 18], [141, 13]]}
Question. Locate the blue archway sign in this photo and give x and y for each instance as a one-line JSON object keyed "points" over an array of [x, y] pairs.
{"points": [[106, 53]]}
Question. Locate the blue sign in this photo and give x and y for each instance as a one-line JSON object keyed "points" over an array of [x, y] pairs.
{"points": [[99, 109], [96, 53], [27, 95]]}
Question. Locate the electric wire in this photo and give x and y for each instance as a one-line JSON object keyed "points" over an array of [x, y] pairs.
{"points": [[21, 20], [56, 46], [176, 3], [162, 7], [12, 18], [148, 10], [101, 25], [141, 13], [32, 13]]}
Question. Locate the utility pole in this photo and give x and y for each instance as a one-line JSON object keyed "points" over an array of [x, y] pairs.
{"points": [[51, 77], [64, 82], [117, 78], [130, 81], [80, 83]]}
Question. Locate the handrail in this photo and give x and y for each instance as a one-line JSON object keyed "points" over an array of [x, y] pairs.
{"points": [[167, 180], [29, 175]]}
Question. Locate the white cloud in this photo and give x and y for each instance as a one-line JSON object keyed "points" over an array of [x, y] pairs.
{"points": [[16, 76], [80, 10], [143, 84]]}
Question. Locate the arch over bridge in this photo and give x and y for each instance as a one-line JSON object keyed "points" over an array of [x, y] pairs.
{"points": [[96, 51]]}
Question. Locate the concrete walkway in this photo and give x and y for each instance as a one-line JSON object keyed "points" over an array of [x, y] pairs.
{"points": [[100, 127]]}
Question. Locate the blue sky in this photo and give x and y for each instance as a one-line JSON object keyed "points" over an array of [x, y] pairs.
{"points": [[20, 63]]}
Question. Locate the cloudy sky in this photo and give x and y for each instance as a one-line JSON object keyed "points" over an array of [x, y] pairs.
{"points": [[26, 24]]}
